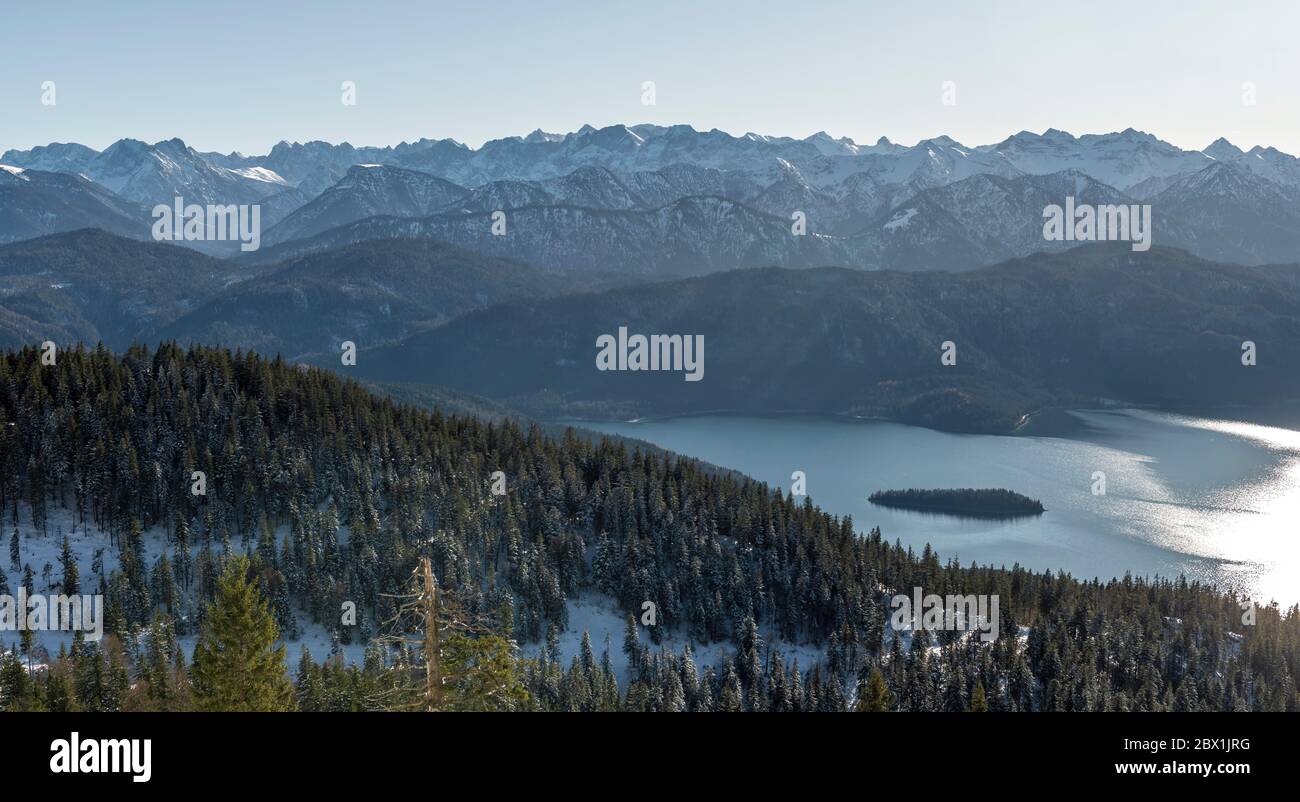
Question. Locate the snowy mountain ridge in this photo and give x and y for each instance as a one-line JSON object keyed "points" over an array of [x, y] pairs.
{"points": [[1121, 159], [938, 203]]}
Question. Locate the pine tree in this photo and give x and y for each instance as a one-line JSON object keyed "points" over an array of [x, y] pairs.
{"points": [[163, 590], [71, 579], [725, 558], [307, 687], [14, 680], [731, 700], [237, 665], [631, 643], [874, 696], [978, 704]]}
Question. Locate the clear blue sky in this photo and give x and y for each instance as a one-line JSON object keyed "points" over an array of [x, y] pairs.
{"points": [[240, 75]]}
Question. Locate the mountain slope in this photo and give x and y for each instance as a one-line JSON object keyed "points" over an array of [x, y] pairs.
{"points": [[671, 200], [369, 293], [1232, 213], [1120, 159], [96, 286], [367, 191], [1155, 327], [34, 203], [157, 173], [987, 219], [690, 236]]}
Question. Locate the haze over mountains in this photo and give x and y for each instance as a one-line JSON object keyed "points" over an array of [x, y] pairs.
{"points": [[664, 201], [89, 286], [492, 271], [1096, 322], [1159, 327]]}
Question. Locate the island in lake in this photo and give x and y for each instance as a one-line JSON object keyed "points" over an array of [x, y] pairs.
{"points": [[981, 503]]}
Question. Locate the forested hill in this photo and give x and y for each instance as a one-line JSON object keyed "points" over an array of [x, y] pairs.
{"points": [[337, 493], [1161, 327]]}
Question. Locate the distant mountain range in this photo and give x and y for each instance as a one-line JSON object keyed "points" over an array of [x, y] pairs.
{"points": [[670, 200], [493, 271], [1075, 327], [155, 173]]}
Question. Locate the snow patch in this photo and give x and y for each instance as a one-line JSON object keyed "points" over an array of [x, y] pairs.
{"points": [[599, 616], [260, 174], [900, 220], [39, 550]]}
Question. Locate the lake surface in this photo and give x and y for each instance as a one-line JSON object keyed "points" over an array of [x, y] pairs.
{"points": [[1217, 500]]}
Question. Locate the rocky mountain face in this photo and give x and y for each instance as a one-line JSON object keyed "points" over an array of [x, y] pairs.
{"points": [[368, 190], [34, 203], [157, 173], [671, 200]]}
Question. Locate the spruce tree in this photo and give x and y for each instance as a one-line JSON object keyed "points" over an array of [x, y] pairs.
{"points": [[237, 665], [874, 696], [71, 579]]}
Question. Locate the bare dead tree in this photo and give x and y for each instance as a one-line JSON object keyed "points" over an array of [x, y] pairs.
{"points": [[425, 616]]}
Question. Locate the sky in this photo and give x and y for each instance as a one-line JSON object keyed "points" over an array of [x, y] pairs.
{"points": [[255, 73]]}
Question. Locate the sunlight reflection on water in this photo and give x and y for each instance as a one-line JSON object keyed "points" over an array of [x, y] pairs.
{"points": [[1216, 500]]}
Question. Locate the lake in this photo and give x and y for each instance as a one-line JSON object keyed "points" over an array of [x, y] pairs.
{"points": [[1214, 499]]}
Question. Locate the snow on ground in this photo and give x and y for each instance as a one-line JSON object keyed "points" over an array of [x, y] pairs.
{"points": [[38, 550], [900, 220], [598, 615], [260, 174], [594, 613]]}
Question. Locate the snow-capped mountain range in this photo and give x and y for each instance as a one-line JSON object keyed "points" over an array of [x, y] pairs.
{"points": [[623, 192]]}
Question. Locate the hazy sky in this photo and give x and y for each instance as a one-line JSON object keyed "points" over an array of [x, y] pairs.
{"points": [[259, 72]]}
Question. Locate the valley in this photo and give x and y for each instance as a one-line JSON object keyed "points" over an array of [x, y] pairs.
{"points": [[573, 379]]}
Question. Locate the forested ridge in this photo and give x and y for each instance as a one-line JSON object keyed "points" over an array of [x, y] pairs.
{"points": [[1160, 327], [335, 495]]}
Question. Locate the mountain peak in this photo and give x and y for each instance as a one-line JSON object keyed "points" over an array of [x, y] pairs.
{"points": [[1223, 150], [538, 135], [611, 136], [175, 146], [127, 143], [942, 140], [1133, 133]]}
